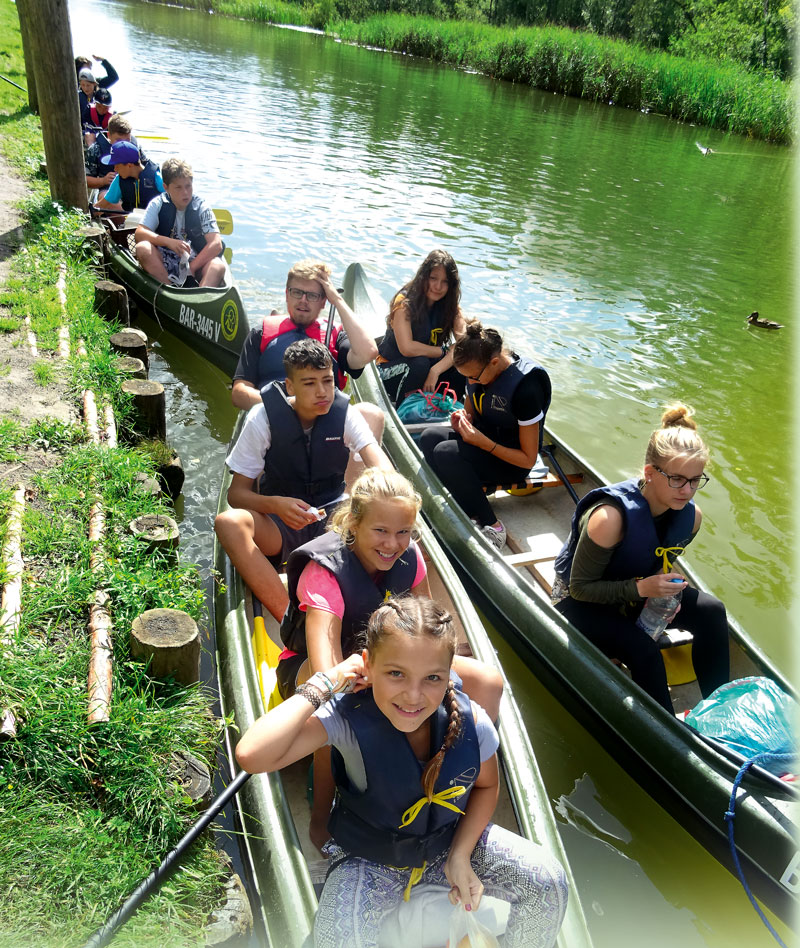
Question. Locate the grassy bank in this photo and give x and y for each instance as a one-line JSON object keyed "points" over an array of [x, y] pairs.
{"points": [[86, 811], [705, 92]]}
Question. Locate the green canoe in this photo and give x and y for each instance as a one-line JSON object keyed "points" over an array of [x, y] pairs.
{"points": [[690, 775], [272, 808], [212, 320]]}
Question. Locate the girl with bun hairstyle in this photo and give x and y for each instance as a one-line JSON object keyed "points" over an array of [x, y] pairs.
{"points": [[496, 438], [621, 550], [416, 771], [423, 319]]}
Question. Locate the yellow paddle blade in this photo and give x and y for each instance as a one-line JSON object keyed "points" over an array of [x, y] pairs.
{"points": [[224, 220], [266, 654], [227, 253]]}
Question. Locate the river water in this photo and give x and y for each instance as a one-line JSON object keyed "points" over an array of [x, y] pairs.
{"points": [[598, 239]]}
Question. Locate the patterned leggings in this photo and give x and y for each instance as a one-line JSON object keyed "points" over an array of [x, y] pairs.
{"points": [[358, 893]]}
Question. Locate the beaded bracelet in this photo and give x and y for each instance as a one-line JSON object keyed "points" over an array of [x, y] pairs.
{"points": [[311, 693]]}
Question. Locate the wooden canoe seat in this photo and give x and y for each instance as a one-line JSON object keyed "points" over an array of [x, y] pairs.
{"points": [[535, 482], [538, 555]]}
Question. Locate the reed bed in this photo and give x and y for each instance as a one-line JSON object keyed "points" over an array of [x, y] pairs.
{"points": [[593, 67]]}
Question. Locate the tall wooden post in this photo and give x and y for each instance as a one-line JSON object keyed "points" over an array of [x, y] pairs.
{"points": [[51, 48], [25, 16]]}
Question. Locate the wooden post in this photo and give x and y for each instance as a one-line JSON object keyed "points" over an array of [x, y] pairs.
{"points": [[50, 42], [135, 368], [8, 725], [160, 531], [171, 477], [11, 601], [130, 342], [169, 639], [150, 408], [24, 14], [111, 301]]}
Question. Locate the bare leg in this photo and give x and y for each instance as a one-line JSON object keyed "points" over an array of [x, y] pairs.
{"points": [[213, 272], [248, 538], [482, 683], [374, 418], [323, 797], [150, 260]]}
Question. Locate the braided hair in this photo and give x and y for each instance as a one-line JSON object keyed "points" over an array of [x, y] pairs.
{"points": [[413, 296], [416, 616]]}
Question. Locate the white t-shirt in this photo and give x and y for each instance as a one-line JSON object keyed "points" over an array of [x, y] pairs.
{"points": [[247, 456]]}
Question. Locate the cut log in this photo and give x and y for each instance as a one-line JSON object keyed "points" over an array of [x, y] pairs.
{"points": [[150, 408], [193, 777], [8, 725], [90, 416], [109, 427], [11, 602], [146, 485], [171, 477], [100, 668], [170, 641], [111, 301], [160, 532], [133, 368], [93, 237], [130, 342]]}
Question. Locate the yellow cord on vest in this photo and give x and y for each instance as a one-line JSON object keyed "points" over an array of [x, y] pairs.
{"points": [[416, 875], [665, 550], [439, 798]]}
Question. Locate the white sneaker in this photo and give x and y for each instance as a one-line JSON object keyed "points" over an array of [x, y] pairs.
{"points": [[496, 537]]}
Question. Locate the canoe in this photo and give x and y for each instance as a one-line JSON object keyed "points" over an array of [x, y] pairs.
{"points": [[691, 776], [273, 811], [211, 320]]}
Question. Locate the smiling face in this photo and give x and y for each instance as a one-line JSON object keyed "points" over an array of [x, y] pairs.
{"points": [[659, 495], [87, 87], [438, 285], [409, 676], [180, 192], [313, 391], [383, 534], [303, 312]]}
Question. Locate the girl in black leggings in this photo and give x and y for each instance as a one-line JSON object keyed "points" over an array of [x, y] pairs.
{"points": [[621, 550]]}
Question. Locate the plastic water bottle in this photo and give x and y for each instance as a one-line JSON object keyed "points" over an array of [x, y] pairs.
{"points": [[659, 611]]}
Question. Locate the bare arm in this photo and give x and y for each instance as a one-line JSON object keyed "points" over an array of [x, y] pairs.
{"points": [[291, 510], [170, 243], [244, 394], [373, 456], [524, 456], [408, 346], [323, 639], [362, 346], [213, 248]]}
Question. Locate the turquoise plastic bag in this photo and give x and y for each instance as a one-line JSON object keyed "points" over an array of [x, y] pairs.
{"points": [[418, 406], [751, 716]]}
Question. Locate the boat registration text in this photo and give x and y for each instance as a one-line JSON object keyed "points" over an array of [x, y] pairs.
{"points": [[197, 322]]}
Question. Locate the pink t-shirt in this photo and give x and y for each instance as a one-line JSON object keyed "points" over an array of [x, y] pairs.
{"points": [[317, 586]]}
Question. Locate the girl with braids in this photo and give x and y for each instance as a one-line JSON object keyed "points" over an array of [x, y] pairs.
{"points": [[417, 782], [496, 438], [338, 579], [424, 317], [621, 550]]}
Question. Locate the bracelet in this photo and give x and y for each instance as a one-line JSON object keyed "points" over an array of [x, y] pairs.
{"points": [[311, 693], [323, 684], [492, 451]]}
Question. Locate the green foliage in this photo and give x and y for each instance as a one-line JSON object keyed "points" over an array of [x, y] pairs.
{"points": [[43, 373]]}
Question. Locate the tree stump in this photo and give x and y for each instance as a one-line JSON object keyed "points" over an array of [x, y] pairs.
{"points": [[193, 776], [111, 301], [170, 641], [94, 238], [147, 485], [150, 408], [160, 532], [131, 342], [171, 477], [132, 367]]}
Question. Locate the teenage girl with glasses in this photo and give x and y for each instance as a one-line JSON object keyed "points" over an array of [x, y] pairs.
{"points": [[621, 550]]}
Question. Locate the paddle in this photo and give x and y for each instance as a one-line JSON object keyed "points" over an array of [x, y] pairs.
{"points": [[266, 654], [224, 220], [547, 450], [153, 882]]}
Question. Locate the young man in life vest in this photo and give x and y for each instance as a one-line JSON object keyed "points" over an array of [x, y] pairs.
{"points": [[308, 291], [136, 183], [99, 175], [300, 434], [176, 223], [99, 114], [88, 84]]}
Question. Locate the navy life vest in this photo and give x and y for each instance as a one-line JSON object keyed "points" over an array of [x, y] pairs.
{"points": [[295, 466], [368, 824], [491, 404], [139, 192], [636, 554], [361, 593], [429, 330], [194, 231], [278, 333]]}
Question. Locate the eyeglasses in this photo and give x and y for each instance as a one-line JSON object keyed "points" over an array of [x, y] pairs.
{"points": [[477, 378], [299, 294], [676, 482]]}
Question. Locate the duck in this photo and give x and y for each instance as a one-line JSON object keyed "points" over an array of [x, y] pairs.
{"points": [[755, 320], [705, 151]]}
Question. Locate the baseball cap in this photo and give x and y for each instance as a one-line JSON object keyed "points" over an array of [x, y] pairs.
{"points": [[103, 96], [86, 74], [122, 153]]}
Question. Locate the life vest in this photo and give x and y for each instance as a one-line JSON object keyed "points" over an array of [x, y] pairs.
{"points": [[278, 333], [367, 824], [361, 593], [491, 404], [429, 331], [194, 231], [636, 554], [99, 121], [139, 192]]}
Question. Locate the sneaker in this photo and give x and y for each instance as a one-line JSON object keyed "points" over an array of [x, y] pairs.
{"points": [[496, 537]]}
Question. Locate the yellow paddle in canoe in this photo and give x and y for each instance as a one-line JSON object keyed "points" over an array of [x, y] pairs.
{"points": [[266, 654], [224, 220]]}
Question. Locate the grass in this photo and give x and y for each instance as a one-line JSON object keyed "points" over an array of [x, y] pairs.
{"points": [[43, 373]]}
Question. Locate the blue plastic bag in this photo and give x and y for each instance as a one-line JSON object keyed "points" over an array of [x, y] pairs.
{"points": [[751, 716], [418, 406]]}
